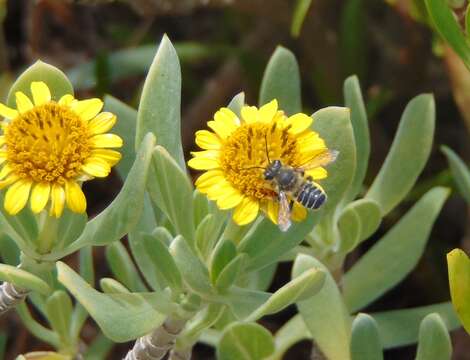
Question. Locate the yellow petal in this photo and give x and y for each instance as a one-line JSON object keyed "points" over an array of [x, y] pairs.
{"points": [[102, 123], [41, 93], [57, 200], [87, 109], [246, 211], [218, 190], [8, 181], [2, 141], [205, 160], [96, 167], [250, 114], [267, 111], [227, 118], [273, 210], [66, 100], [17, 196], [207, 140], [299, 213], [111, 156], [209, 178], [298, 123], [229, 199], [106, 141], [40, 197], [221, 128], [6, 170], [23, 103], [74, 196], [317, 173], [7, 112]]}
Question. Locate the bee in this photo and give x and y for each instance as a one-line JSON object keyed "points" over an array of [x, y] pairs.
{"points": [[290, 182]]}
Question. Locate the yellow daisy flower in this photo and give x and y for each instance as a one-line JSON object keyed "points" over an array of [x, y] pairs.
{"points": [[234, 156], [49, 148]]}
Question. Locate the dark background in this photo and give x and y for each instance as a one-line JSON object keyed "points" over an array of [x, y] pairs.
{"points": [[390, 47]]}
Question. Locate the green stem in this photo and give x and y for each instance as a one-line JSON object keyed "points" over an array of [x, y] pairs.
{"points": [[48, 226]]}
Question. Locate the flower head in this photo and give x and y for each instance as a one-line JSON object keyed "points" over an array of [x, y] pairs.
{"points": [[236, 152], [49, 148]]}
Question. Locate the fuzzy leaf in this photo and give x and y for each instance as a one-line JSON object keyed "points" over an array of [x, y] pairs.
{"points": [[237, 103], [223, 253], [434, 340], [230, 273], [23, 279], [59, 312], [460, 172], [365, 340]]}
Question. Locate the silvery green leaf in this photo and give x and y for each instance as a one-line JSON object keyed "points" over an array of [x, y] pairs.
{"points": [[396, 254], [111, 286], [159, 108], [230, 272], [434, 340], [23, 279], [200, 206], [365, 339], [59, 313], [460, 172], [407, 156], [207, 234], [122, 317], [245, 341], [125, 128], [70, 227], [35, 328], [281, 81], [293, 331], [171, 190], [243, 302], [325, 314], [349, 227], [223, 253], [9, 251], [236, 104], [203, 320]]}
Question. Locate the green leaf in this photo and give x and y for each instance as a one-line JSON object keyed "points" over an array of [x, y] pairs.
{"points": [[207, 233], [159, 109], [230, 272], [23, 279], [171, 190], [400, 327], [263, 253], [204, 319], [300, 12], [194, 273], [124, 212], [289, 334], [125, 128], [245, 341], [40, 71], [59, 313], [448, 27], [223, 253], [459, 282], [9, 251], [122, 267], [434, 340], [365, 340], [237, 103], [281, 81], [111, 286], [304, 286], [349, 227], [396, 254], [325, 314], [334, 126], [460, 172], [70, 227], [407, 156], [354, 101], [243, 302], [122, 317], [162, 261]]}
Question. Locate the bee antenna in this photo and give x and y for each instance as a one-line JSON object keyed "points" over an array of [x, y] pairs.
{"points": [[266, 144]]}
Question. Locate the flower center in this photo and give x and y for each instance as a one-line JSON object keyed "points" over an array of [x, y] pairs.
{"points": [[49, 143], [244, 153]]}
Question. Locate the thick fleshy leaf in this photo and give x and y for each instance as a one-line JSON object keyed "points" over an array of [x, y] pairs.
{"points": [[304, 286], [245, 341], [170, 189], [236, 104], [23, 279], [9, 251], [125, 128], [365, 339], [122, 317], [59, 312], [243, 302], [325, 314], [460, 172], [396, 254], [354, 101], [159, 108], [349, 227], [230, 272], [449, 28], [122, 267], [124, 212], [70, 227], [281, 81], [111, 286], [300, 12], [400, 327], [193, 271], [55, 79], [407, 156], [207, 233], [459, 282], [434, 340], [223, 253], [289, 334]]}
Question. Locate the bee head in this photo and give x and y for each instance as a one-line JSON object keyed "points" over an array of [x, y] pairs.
{"points": [[272, 170]]}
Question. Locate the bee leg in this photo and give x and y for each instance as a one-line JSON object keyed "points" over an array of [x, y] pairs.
{"points": [[309, 178]]}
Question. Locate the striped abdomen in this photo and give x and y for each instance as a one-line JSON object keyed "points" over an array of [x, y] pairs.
{"points": [[310, 196]]}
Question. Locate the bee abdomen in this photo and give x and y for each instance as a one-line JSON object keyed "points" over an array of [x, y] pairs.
{"points": [[310, 196]]}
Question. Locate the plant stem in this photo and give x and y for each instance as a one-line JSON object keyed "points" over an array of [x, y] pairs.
{"points": [[10, 296], [155, 345], [180, 354]]}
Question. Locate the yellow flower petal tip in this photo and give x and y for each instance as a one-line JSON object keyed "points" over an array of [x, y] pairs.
{"points": [[48, 148], [237, 152]]}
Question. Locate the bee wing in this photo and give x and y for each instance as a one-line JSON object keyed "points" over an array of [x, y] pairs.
{"points": [[322, 159], [283, 217]]}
